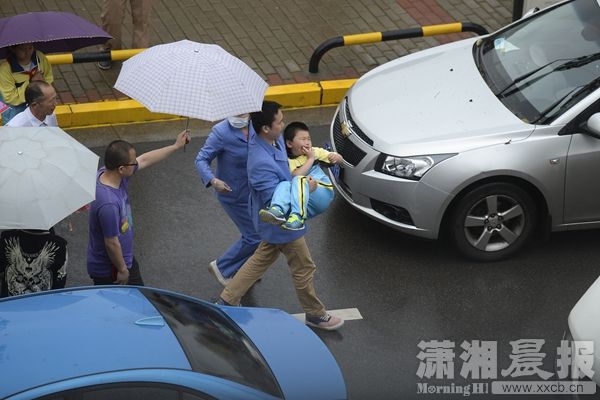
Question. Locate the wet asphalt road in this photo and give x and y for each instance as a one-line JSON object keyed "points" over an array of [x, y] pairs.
{"points": [[406, 289]]}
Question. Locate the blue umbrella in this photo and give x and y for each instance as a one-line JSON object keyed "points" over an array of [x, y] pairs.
{"points": [[50, 32]]}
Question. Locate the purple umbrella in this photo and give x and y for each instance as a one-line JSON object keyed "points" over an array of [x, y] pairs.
{"points": [[50, 32]]}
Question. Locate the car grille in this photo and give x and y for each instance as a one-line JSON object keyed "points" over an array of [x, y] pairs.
{"points": [[356, 128], [351, 153]]}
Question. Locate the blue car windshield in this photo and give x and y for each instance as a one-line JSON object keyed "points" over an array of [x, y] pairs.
{"points": [[213, 344], [541, 66]]}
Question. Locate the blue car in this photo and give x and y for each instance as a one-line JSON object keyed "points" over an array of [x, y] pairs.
{"points": [[144, 343]]}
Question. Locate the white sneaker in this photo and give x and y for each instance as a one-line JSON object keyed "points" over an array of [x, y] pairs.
{"points": [[214, 270]]}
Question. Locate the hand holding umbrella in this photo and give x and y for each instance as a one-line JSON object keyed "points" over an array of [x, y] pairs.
{"points": [[183, 138]]}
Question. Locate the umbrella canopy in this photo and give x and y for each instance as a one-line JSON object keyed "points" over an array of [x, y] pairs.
{"points": [[45, 175], [192, 79], [50, 32]]}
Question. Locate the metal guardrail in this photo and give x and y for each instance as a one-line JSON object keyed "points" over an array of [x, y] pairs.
{"points": [[374, 37], [75, 58]]}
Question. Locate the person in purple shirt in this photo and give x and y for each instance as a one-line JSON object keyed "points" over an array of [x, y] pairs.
{"points": [[110, 248], [228, 143], [267, 166]]}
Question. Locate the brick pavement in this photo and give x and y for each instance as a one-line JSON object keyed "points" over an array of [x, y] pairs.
{"points": [[275, 37]]}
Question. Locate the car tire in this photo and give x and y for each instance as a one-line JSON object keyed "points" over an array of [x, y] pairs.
{"points": [[493, 222]]}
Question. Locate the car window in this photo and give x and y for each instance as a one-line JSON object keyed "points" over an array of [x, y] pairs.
{"points": [[212, 343], [542, 66]]}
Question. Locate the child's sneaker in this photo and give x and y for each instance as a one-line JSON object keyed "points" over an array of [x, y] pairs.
{"points": [[274, 215], [294, 223], [327, 322]]}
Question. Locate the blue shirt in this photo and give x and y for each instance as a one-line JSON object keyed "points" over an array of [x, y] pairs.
{"points": [[230, 147], [267, 166]]}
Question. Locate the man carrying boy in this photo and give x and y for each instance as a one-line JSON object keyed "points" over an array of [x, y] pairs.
{"points": [[267, 166], [293, 200]]}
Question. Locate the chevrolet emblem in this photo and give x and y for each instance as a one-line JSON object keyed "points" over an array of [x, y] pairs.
{"points": [[345, 129]]}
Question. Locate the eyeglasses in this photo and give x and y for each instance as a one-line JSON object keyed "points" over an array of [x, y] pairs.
{"points": [[130, 165]]}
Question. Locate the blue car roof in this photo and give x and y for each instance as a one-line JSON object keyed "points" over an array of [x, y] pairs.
{"points": [[63, 328]]}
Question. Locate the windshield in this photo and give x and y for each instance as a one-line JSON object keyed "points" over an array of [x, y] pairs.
{"points": [[212, 344], [541, 67]]}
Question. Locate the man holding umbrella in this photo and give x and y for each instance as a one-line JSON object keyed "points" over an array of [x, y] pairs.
{"points": [[110, 247]]}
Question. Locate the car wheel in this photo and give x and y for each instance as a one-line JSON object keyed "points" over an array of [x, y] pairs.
{"points": [[493, 222]]}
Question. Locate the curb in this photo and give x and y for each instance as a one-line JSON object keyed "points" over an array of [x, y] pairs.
{"points": [[101, 113]]}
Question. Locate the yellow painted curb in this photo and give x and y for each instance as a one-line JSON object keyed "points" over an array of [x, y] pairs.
{"points": [[63, 115], [295, 95], [334, 91], [113, 112], [104, 113], [312, 94]]}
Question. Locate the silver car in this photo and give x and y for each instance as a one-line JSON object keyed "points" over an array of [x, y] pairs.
{"points": [[490, 140]]}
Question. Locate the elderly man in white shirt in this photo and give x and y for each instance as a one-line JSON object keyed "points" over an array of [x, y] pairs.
{"points": [[41, 100]]}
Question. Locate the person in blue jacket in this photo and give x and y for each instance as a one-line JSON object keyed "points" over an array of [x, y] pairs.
{"points": [[267, 166], [228, 143]]}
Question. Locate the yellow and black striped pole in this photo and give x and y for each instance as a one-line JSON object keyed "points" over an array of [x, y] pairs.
{"points": [[375, 37], [75, 58]]}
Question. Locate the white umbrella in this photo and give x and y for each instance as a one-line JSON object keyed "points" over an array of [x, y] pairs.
{"points": [[45, 175], [192, 79]]}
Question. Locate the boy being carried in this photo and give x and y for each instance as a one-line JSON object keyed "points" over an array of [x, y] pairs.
{"points": [[292, 201]]}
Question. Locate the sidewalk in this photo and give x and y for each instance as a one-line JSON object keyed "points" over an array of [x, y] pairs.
{"points": [[275, 37]]}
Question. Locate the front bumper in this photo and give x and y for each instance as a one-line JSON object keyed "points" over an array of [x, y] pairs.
{"points": [[413, 207]]}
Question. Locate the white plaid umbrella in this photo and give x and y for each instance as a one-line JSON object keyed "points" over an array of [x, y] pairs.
{"points": [[45, 175], [193, 80]]}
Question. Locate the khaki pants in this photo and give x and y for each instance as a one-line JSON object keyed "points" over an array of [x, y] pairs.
{"points": [[301, 266], [112, 20]]}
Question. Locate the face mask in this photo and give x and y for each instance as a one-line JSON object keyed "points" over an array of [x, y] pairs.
{"points": [[238, 122]]}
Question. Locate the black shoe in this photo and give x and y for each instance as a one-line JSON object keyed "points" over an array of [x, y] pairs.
{"points": [[104, 65]]}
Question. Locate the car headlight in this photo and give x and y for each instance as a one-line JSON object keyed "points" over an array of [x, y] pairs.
{"points": [[408, 167]]}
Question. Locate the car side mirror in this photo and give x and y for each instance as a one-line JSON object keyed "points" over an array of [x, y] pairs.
{"points": [[593, 125]]}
